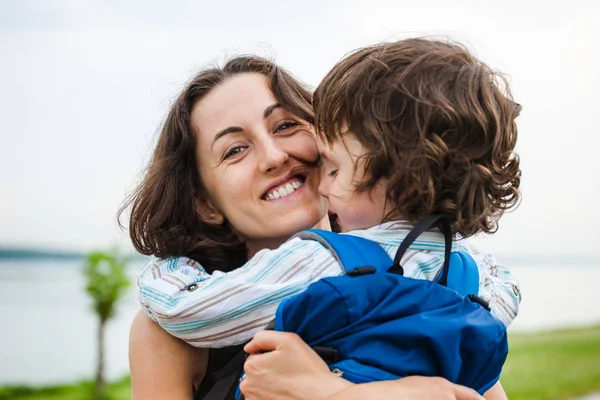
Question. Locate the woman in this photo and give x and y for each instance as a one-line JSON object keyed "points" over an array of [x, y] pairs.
{"points": [[233, 134]]}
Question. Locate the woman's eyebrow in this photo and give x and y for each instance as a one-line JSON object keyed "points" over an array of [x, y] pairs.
{"points": [[233, 129], [269, 110], [226, 131]]}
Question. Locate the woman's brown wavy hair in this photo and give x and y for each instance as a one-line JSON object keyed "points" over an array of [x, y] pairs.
{"points": [[438, 125], [164, 221]]}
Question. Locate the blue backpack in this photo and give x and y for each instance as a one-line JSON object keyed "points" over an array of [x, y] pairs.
{"points": [[374, 324]]}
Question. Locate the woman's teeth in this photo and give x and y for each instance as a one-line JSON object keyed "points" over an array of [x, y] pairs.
{"points": [[283, 190]]}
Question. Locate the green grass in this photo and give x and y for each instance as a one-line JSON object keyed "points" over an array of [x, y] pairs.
{"points": [[556, 365], [120, 390]]}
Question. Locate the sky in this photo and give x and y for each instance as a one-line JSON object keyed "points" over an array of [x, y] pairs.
{"points": [[85, 85]]}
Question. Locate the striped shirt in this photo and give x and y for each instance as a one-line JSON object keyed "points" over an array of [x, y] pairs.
{"points": [[225, 309]]}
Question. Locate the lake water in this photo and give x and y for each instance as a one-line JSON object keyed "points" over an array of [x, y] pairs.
{"points": [[48, 331]]}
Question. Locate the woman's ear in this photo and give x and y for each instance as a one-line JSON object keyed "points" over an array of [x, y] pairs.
{"points": [[208, 213]]}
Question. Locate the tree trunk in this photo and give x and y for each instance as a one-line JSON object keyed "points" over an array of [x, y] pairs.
{"points": [[99, 388]]}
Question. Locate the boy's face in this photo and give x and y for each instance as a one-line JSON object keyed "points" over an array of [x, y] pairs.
{"points": [[342, 170]]}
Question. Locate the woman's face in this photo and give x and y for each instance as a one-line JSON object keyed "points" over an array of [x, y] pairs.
{"points": [[247, 150]]}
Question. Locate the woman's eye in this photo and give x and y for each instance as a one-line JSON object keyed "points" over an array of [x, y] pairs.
{"points": [[233, 152], [286, 125]]}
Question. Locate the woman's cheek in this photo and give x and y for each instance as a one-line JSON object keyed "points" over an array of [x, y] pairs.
{"points": [[302, 145]]}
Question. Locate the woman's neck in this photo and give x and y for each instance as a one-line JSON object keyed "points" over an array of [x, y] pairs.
{"points": [[254, 246], [257, 245]]}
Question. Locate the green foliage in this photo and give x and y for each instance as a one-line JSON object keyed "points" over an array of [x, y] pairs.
{"points": [[106, 281], [553, 365]]}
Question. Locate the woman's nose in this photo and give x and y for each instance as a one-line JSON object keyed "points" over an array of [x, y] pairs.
{"points": [[272, 156]]}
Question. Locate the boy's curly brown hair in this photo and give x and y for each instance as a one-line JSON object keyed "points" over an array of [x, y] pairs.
{"points": [[438, 124]]}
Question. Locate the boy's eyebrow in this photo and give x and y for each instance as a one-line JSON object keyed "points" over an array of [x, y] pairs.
{"points": [[233, 129], [324, 153], [324, 156]]}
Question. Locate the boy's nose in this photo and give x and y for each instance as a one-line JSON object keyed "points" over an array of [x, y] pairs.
{"points": [[324, 187]]}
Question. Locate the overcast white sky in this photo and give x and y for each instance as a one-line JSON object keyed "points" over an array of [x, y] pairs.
{"points": [[84, 86]]}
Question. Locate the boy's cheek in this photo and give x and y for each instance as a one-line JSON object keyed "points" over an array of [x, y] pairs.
{"points": [[351, 217]]}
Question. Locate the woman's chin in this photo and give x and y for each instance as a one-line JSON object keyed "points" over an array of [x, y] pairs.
{"points": [[294, 221], [280, 228], [301, 210]]}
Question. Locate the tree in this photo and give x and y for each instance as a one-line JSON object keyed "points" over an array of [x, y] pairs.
{"points": [[106, 282]]}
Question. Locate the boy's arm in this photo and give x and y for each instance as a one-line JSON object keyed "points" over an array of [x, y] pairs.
{"points": [[497, 285], [225, 309]]}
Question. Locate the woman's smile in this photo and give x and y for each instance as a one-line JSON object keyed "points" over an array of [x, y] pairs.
{"points": [[291, 186], [287, 186]]}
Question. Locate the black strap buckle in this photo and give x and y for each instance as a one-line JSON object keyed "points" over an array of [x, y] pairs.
{"points": [[366, 270], [328, 354], [476, 299]]}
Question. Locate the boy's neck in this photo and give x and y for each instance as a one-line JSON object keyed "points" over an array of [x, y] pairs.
{"points": [[391, 213]]}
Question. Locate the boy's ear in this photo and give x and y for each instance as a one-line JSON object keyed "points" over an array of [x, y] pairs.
{"points": [[208, 213]]}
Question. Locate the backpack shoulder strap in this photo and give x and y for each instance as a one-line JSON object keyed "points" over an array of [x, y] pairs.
{"points": [[351, 251], [464, 274], [417, 230], [459, 271], [225, 366]]}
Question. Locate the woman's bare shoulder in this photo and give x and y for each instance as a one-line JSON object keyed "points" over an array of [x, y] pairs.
{"points": [[162, 366]]}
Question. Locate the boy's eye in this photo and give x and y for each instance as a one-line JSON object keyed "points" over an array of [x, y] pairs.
{"points": [[333, 172], [233, 152]]}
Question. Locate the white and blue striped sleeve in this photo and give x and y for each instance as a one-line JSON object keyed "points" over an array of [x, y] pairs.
{"points": [[497, 285], [225, 309]]}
